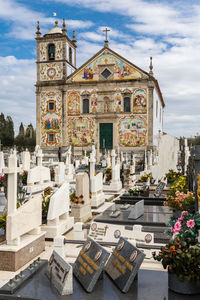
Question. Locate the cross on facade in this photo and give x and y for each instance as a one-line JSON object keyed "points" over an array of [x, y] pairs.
{"points": [[106, 40]]}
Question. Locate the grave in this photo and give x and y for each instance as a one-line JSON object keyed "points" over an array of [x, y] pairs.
{"points": [[153, 216], [137, 210], [24, 239], [115, 185], [96, 185], [123, 264], [69, 166], [81, 207], [60, 173], [58, 219], [38, 177], [26, 160], [90, 264], [60, 274]]}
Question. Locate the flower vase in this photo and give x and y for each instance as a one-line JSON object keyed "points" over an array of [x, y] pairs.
{"points": [[186, 287]]}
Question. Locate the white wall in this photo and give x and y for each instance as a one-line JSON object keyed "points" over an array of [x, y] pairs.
{"points": [[157, 118]]}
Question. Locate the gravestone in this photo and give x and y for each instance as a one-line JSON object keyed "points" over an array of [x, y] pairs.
{"points": [[26, 160], [58, 219], [60, 173], [124, 264], [159, 189], [60, 274], [115, 184], [137, 210], [89, 264]]}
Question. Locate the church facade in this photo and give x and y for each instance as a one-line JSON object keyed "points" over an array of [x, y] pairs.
{"points": [[107, 102]]}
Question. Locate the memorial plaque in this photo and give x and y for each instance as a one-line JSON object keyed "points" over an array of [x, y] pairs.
{"points": [[89, 264], [137, 210], [159, 189], [60, 274], [124, 264]]}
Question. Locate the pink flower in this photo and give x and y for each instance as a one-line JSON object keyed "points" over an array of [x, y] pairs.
{"points": [[177, 226], [184, 213], [172, 229], [190, 223], [180, 219]]}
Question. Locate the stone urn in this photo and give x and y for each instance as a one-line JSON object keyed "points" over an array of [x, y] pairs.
{"points": [[185, 287]]}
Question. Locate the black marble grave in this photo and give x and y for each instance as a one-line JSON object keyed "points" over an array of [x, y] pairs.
{"points": [[124, 264], [153, 216], [90, 263], [151, 285]]}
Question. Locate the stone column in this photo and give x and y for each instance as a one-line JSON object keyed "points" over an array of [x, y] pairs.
{"points": [[113, 155]]}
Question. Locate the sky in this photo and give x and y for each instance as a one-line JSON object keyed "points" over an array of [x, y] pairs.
{"points": [[167, 30]]}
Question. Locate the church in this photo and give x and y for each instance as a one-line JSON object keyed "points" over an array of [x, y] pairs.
{"points": [[108, 102]]}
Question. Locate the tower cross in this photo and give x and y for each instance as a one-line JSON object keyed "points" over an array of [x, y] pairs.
{"points": [[106, 31]]}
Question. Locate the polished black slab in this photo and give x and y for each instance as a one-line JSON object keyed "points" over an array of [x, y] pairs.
{"points": [[90, 263], [123, 264], [153, 216], [151, 285]]}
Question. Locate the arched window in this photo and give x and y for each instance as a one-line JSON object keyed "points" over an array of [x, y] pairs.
{"points": [[127, 104], [85, 106], [70, 55], [51, 52]]}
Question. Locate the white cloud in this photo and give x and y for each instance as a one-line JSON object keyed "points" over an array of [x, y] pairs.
{"points": [[17, 91]]}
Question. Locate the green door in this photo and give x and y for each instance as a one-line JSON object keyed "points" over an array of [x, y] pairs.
{"points": [[106, 135]]}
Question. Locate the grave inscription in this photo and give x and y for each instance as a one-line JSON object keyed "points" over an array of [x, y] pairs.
{"points": [[124, 264], [89, 264]]}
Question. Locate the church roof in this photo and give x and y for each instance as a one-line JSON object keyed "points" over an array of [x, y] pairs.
{"points": [[123, 69], [55, 29]]}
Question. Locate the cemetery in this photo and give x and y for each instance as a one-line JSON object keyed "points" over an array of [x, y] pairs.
{"points": [[107, 205]]}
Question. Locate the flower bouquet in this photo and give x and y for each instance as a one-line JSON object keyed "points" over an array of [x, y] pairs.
{"points": [[180, 200]]}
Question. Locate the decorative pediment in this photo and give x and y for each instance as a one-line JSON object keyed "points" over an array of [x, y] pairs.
{"points": [[107, 65]]}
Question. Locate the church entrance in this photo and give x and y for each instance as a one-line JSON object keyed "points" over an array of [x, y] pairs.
{"points": [[106, 135]]}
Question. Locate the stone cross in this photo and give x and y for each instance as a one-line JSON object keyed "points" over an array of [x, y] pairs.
{"points": [[113, 155], [68, 157], [12, 171], [92, 161], [94, 150], [26, 160], [106, 31]]}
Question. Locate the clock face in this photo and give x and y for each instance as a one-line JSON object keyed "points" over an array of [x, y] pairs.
{"points": [[51, 72]]}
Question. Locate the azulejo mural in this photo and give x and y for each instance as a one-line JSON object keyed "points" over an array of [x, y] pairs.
{"points": [[59, 50], [118, 101], [140, 101], [94, 102], [81, 131], [132, 131], [51, 71], [43, 51], [73, 103], [51, 121], [122, 70]]}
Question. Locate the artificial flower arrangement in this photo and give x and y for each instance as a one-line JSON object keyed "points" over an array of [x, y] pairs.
{"points": [[186, 227], [171, 176], [145, 178], [180, 200], [2, 177], [23, 177], [181, 256], [76, 200], [45, 201], [178, 259], [135, 191]]}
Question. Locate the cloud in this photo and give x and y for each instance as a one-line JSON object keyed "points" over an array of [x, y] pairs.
{"points": [[17, 91]]}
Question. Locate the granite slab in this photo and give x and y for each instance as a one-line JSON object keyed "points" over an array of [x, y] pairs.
{"points": [[151, 285]]}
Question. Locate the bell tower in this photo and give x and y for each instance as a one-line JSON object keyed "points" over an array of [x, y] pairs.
{"points": [[56, 54], [56, 60]]}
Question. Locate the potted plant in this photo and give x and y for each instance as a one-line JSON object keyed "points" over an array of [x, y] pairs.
{"points": [[181, 256], [171, 176], [145, 178], [182, 264], [180, 201]]}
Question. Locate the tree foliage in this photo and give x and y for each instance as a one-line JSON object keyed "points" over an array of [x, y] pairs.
{"points": [[6, 131]]}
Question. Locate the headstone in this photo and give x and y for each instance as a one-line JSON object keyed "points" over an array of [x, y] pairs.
{"points": [[115, 185], [38, 179], [26, 160], [58, 219], [60, 173], [124, 263], [137, 210], [159, 189], [81, 208], [90, 264], [60, 274]]}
